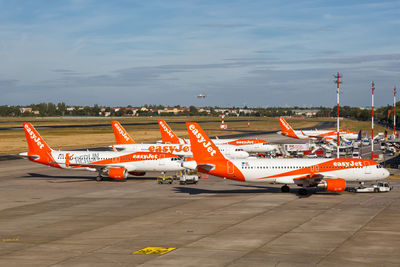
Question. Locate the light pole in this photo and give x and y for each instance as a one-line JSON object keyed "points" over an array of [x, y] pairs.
{"points": [[394, 114], [337, 76], [372, 122]]}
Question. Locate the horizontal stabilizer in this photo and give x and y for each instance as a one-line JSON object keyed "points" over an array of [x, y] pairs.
{"points": [[25, 155], [207, 167]]}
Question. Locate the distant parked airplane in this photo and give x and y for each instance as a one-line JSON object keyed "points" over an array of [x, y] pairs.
{"points": [[249, 145], [116, 165], [326, 135], [126, 143]]}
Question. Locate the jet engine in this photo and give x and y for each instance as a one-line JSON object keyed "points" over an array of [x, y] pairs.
{"points": [[117, 173], [333, 185], [137, 173]]}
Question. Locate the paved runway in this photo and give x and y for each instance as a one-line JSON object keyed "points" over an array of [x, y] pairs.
{"points": [[52, 217]]}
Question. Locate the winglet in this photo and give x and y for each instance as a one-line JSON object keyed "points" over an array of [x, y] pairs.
{"points": [[286, 129], [203, 149], [167, 135], [121, 136]]}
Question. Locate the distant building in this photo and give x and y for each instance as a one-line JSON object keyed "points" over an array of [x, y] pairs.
{"points": [[172, 110], [29, 109], [305, 112], [23, 110]]}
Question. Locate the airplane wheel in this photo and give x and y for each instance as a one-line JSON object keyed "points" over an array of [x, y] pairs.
{"points": [[99, 178], [303, 191], [285, 189], [376, 190]]}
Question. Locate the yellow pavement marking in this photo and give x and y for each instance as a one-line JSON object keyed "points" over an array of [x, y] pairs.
{"points": [[154, 250], [14, 239]]}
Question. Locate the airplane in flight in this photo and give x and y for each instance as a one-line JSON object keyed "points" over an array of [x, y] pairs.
{"points": [[247, 144], [330, 174], [325, 135], [115, 165], [126, 143]]}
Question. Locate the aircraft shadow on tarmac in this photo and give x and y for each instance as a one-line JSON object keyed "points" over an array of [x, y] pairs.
{"points": [[79, 178], [250, 189], [44, 176]]}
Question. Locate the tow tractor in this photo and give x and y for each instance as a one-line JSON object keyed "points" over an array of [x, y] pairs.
{"points": [[184, 177], [165, 179], [380, 187]]}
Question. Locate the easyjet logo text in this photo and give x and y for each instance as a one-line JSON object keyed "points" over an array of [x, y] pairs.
{"points": [[348, 164], [33, 136], [121, 132], [169, 149], [165, 128], [202, 140], [145, 156], [243, 142]]}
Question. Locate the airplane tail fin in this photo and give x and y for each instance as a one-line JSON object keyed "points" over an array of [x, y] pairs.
{"points": [[39, 151], [203, 149], [167, 135], [121, 135], [359, 136], [286, 129], [208, 157]]}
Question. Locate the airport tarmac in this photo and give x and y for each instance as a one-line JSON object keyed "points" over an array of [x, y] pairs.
{"points": [[53, 217]]}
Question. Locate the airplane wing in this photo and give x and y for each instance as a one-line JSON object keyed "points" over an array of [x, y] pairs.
{"points": [[98, 167], [314, 176], [311, 179]]}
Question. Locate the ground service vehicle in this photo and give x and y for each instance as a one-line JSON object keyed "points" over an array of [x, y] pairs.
{"points": [[188, 179], [380, 187], [165, 179]]}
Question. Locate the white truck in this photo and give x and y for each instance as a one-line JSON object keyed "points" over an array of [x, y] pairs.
{"points": [[356, 155], [188, 179], [380, 187]]}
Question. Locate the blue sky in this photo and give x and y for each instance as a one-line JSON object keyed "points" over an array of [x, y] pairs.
{"points": [[255, 53]]}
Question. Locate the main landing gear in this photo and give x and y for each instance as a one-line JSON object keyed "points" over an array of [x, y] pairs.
{"points": [[285, 189], [303, 191], [99, 178]]}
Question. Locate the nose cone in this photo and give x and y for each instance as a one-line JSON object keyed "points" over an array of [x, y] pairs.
{"points": [[385, 174], [192, 165]]}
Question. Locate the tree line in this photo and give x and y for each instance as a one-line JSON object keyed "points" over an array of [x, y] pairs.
{"points": [[383, 115]]}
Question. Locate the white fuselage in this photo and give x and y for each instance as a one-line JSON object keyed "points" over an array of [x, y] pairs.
{"points": [[131, 162], [249, 148], [324, 134], [268, 170]]}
